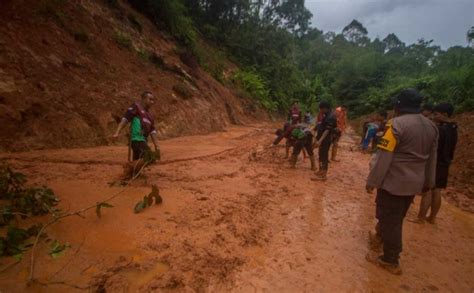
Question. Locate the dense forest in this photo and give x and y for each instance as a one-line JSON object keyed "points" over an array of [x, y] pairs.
{"points": [[283, 58]]}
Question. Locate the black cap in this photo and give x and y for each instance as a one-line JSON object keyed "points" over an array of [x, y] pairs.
{"points": [[324, 105], [407, 101], [444, 108]]}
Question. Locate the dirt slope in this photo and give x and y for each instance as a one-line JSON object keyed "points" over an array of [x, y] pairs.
{"points": [[462, 170], [68, 69], [234, 218]]}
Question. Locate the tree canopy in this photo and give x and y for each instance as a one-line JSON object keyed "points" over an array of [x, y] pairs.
{"points": [[283, 58]]}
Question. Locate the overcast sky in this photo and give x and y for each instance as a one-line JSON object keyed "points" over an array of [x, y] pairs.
{"points": [[444, 21]]}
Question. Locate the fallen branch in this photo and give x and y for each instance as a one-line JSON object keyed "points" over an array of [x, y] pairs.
{"points": [[56, 218], [67, 263]]}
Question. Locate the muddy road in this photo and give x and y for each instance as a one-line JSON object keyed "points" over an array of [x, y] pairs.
{"points": [[234, 217]]}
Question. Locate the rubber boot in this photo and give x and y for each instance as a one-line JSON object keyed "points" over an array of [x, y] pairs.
{"points": [[313, 162], [320, 169], [334, 153], [320, 176], [293, 160]]}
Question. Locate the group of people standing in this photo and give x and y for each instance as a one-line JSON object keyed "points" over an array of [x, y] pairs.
{"points": [[413, 152], [412, 158], [328, 128], [412, 155]]}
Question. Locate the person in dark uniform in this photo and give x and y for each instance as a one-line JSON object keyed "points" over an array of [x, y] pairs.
{"points": [[448, 137], [427, 110], [325, 130]]}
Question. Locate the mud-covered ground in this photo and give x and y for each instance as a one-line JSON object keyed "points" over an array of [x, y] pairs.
{"points": [[234, 217]]}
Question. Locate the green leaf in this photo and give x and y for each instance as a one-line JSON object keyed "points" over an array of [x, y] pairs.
{"points": [[140, 206], [58, 249], [18, 256], [101, 205], [16, 236], [148, 200]]}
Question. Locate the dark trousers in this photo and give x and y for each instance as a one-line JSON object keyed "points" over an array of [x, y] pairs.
{"points": [[390, 211], [306, 142], [324, 153], [139, 148]]}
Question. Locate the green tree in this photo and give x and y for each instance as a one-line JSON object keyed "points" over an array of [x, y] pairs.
{"points": [[356, 33], [470, 37]]}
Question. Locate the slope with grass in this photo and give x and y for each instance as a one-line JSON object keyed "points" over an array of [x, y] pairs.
{"points": [[68, 70]]}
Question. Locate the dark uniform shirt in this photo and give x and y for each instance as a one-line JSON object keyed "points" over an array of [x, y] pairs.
{"points": [[328, 122], [448, 137]]}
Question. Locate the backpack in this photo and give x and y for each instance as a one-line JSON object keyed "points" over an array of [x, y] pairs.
{"points": [[146, 120], [298, 133]]}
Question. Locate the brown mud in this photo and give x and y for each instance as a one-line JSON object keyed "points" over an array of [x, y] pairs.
{"points": [[234, 217]]}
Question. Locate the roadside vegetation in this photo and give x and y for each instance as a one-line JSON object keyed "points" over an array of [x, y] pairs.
{"points": [[286, 59]]}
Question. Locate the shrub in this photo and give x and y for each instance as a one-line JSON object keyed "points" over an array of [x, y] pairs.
{"points": [[21, 200], [172, 15], [156, 60], [135, 23], [52, 9], [143, 54], [183, 90], [254, 85], [123, 40]]}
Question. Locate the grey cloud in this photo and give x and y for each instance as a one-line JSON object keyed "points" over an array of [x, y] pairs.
{"points": [[444, 21]]}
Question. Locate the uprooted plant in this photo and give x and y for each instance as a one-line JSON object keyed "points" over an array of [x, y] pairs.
{"points": [[148, 200], [56, 217], [19, 201]]}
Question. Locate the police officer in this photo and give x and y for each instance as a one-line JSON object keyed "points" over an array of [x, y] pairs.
{"points": [[404, 165]]}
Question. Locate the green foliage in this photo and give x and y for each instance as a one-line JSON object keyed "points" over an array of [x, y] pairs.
{"points": [[15, 241], [211, 60], [148, 200], [52, 9], [18, 200], [144, 54], [135, 23], [254, 85], [21, 200], [170, 14], [57, 249], [123, 40], [285, 59], [183, 90], [99, 206]]}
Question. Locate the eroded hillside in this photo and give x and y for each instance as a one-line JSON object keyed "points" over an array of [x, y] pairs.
{"points": [[68, 69]]}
